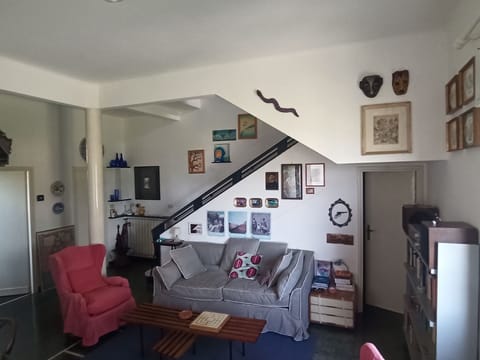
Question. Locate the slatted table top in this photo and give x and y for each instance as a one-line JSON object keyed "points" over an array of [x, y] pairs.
{"points": [[236, 328]]}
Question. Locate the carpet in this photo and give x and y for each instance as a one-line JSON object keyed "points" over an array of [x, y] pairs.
{"points": [[125, 345]]}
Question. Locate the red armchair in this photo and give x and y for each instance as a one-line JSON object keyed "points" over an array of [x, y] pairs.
{"points": [[91, 304]]}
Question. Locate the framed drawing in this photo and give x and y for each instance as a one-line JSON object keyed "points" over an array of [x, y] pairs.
{"points": [[216, 223], [237, 222], [292, 181], [247, 126], [467, 81], [261, 225], [315, 174], [147, 182], [240, 202], [224, 135], [271, 181], [221, 153], [196, 161], [470, 121], [454, 137], [271, 202], [452, 95], [386, 128], [256, 202]]}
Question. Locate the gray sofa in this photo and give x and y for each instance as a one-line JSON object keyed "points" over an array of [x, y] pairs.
{"points": [[207, 285]]}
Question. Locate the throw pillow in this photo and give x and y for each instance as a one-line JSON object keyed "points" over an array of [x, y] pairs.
{"points": [[290, 276], [245, 266], [233, 245], [187, 260], [169, 274], [282, 264], [86, 279]]}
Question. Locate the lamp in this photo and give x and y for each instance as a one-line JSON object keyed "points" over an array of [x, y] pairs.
{"points": [[175, 231]]}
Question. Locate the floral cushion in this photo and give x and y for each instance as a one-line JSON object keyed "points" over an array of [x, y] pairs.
{"points": [[245, 266]]}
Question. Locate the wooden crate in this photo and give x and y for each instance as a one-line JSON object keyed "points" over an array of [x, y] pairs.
{"points": [[333, 308]]}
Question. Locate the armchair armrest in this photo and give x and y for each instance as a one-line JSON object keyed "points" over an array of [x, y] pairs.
{"points": [[116, 281]]}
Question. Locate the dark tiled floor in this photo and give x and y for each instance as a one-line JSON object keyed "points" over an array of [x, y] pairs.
{"points": [[40, 336]]}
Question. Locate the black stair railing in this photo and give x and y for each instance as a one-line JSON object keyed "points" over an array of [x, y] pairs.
{"points": [[224, 185]]}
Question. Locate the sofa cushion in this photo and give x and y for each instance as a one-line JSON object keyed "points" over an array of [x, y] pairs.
{"points": [[271, 251], [249, 245], [290, 276], [105, 298], [187, 260], [245, 266], [251, 292], [86, 279], [280, 266], [209, 253], [204, 286], [169, 273]]}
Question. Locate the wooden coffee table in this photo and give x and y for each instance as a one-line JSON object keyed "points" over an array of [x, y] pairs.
{"points": [[181, 337]]}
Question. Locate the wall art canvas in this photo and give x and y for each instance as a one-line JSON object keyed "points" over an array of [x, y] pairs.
{"points": [[240, 202], [453, 95], [216, 223], [255, 202], [221, 153], [261, 225], [247, 126], [237, 222], [271, 202], [386, 128], [292, 181], [195, 229], [271, 180], [224, 135], [147, 182], [471, 127], [454, 135], [196, 161], [467, 81], [315, 174]]}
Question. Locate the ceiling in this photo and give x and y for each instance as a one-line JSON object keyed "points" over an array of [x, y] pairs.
{"points": [[98, 41]]}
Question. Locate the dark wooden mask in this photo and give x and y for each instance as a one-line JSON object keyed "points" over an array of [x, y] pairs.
{"points": [[400, 80], [371, 85]]}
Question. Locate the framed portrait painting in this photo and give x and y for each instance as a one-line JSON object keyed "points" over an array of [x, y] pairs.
{"points": [[452, 95], [467, 81], [147, 182], [292, 181], [221, 153], [196, 161], [247, 126], [271, 180], [386, 128]]}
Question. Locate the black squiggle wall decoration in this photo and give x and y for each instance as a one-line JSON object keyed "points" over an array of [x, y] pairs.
{"points": [[276, 105]]}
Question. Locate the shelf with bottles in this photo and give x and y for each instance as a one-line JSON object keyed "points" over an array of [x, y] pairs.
{"points": [[118, 162]]}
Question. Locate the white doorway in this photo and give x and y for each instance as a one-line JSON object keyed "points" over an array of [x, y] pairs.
{"points": [[15, 254], [384, 250]]}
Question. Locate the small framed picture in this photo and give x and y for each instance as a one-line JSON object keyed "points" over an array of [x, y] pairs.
{"points": [[195, 229], [271, 181], [261, 225], [147, 182], [221, 153], [216, 223], [470, 121], [224, 135], [454, 136], [240, 202], [292, 181], [237, 222], [271, 202], [315, 174], [467, 81], [256, 202], [452, 95], [247, 126], [310, 190], [196, 161]]}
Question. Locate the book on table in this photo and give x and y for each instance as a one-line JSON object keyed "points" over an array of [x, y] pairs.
{"points": [[209, 321]]}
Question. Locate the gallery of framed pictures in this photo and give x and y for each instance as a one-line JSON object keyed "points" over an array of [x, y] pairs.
{"points": [[238, 223], [460, 89], [386, 128]]}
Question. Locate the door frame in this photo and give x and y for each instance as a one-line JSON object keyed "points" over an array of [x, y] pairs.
{"points": [[28, 172], [419, 189]]}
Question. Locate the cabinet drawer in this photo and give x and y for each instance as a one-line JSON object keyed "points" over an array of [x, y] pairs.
{"points": [[342, 304], [326, 310], [330, 319]]}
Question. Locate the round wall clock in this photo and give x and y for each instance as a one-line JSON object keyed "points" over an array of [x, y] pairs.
{"points": [[57, 188], [340, 213]]}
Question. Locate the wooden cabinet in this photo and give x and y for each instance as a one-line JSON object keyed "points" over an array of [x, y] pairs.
{"points": [[336, 308], [441, 300]]}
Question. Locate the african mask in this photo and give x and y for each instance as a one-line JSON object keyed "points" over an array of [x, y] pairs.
{"points": [[400, 81], [371, 85]]}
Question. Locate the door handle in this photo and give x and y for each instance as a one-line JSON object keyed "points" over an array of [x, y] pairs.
{"points": [[369, 231]]}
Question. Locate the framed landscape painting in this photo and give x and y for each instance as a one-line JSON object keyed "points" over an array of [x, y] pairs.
{"points": [[247, 126]]}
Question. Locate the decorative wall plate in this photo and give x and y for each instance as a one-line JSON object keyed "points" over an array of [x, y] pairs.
{"points": [[57, 188], [58, 208], [340, 213]]}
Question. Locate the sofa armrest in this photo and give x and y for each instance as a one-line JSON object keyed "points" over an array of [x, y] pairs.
{"points": [[116, 281], [298, 302]]}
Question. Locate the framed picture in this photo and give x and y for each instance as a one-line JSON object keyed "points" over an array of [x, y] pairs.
{"points": [[454, 137], [247, 126], [271, 202], [452, 95], [216, 223], [221, 153], [315, 174], [196, 161], [292, 181], [147, 182], [224, 135], [256, 203], [261, 225], [467, 81], [310, 190], [240, 202], [271, 181], [237, 222], [470, 122], [386, 128], [195, 229]]}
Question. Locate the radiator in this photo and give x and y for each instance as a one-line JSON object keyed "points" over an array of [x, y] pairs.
{"points": [[140, 236]]}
